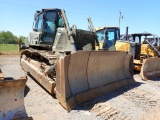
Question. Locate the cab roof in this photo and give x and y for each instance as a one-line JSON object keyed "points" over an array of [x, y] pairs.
{"points": [[101, 28], [141, 34]]}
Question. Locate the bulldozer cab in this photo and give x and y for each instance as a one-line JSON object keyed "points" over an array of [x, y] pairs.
{"points": [[141, 38], [51, 32], [138, 43], [107, 36], [46, 22]]}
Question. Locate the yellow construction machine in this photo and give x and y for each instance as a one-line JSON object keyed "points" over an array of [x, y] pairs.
{"points": [[64, 61], [106, 36], [145, 49], [146, 53], [12, 98]]}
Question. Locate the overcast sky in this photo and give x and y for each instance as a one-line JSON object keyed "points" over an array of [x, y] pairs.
{"points": [[139, 15]]}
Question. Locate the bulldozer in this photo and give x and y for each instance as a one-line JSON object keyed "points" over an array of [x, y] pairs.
{"points": [[65, 62], [146, 54], [146, 51], [12, 98], [106, 36]]}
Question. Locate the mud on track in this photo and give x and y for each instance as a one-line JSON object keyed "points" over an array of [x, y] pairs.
{"points": [[140, 101]]}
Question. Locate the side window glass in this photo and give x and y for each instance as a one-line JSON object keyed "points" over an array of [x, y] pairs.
{"points": [[100, 35], [111, 36], [39, 25]]}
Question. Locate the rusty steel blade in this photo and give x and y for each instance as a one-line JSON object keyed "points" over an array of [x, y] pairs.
{"points": [[150, 68], [12, 99], [85, 75]]}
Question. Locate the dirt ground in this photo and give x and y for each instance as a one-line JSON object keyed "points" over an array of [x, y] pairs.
{"points": [[140, 101]]}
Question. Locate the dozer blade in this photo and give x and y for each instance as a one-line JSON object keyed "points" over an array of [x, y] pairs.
{"points": [[150, 68], [85, 75], [12, 99]]}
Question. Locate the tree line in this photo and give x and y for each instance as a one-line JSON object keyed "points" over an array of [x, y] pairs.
{"points": [[7, 37]]}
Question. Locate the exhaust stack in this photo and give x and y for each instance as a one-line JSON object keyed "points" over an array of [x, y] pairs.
{"points": [[126, 32]]}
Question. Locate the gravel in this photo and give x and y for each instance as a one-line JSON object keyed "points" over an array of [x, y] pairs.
{"points": [[136, 102]]}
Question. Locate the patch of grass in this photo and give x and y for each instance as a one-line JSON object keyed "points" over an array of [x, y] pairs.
{"points": [[9, 49]]}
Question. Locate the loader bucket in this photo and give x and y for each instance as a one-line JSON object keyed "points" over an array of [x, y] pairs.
{"points": [[150, 68], [12, 99], [85, 75]]}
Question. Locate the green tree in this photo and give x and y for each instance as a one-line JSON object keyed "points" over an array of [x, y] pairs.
{"points": [[2, 36], [8, 37]]}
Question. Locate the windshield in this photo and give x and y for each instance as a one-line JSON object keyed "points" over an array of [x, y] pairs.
{"points": [[47, 25], [50, 26], [109, 36]]}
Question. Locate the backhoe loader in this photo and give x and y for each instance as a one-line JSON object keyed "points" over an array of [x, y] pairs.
{"points": [[12, 98], [146, 53], [64, 61]]}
